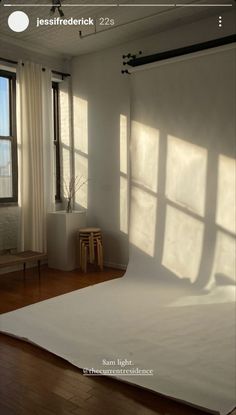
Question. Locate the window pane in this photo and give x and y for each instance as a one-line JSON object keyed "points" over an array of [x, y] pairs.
{"points": [[5, 169], [55, 169], [4, 105]]}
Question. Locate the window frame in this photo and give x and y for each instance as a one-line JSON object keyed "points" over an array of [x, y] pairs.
{"points": [[56, 139], [11, 76]]}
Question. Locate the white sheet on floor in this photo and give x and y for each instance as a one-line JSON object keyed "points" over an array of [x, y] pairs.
{"points": [[188, 347]]}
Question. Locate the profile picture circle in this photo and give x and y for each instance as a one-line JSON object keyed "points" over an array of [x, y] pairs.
{"points": [[18, 21]]}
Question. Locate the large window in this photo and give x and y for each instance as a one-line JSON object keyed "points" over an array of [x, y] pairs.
{"points": [[8, 144], [55, 113]]}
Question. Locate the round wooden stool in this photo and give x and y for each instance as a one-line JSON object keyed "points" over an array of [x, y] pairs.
{"points": [[90, 246]]}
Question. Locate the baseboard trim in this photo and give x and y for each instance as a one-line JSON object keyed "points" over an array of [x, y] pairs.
{"points": [[15, 268], [115, 265], [8, 270]]}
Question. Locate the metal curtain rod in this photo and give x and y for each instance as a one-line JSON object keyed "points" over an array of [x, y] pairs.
{"points": [[181, 51], [55, 72]]}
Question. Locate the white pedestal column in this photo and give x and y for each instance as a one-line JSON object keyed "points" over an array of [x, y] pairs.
{"points": [[62, 229]]}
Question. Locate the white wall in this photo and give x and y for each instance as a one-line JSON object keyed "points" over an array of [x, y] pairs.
{"points": [[98, 85], [16, 50], [104, 95]]}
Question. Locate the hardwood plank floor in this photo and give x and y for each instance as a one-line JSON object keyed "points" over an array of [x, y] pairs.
{"points": [[34, 381], [17, 293]]}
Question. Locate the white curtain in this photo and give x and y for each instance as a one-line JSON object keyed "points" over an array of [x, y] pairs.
{"points": [[35, 155]]}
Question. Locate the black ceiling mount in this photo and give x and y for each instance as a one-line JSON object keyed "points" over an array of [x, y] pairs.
{"points": [[125, 71], [180, 51], [129, 56], [56, 4]]}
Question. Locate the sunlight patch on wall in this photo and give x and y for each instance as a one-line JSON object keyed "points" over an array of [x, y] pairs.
{"points": [[224, 262], [81, 148], [123, 174], [66, 169], [145, 153], [123, 204], [81, 171], [186, 174], [182, 244], [64, 115], [226, 194], [143, 220], [123, 145], [81, 124], [65, 134]]}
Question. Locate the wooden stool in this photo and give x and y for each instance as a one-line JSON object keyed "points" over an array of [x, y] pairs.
{"points": [[90, 244]]}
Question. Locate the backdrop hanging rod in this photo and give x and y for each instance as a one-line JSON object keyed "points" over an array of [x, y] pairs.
{"points": [[180, 51], [62, 74]]}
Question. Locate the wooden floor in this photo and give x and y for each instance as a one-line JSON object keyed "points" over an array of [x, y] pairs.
{"points": [[16, 293], [33, 381]]}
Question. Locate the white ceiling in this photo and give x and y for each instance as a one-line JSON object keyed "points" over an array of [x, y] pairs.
{"points": [[130, 23]]}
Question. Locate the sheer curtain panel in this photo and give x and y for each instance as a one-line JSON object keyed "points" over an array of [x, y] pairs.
{"points": [[35, 153]]}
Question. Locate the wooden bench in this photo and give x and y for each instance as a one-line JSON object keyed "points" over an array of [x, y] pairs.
{"points": [[23, 258]]}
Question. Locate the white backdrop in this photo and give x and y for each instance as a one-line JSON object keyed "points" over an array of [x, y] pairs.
{"points": [[183, 169], [173, 312]]}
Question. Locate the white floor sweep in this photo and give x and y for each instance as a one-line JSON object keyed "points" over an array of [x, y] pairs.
{"points": [[189, 348], [173, 313]]}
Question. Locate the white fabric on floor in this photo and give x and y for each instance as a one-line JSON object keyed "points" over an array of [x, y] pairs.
{"points": [[173, 312], [189, 348]]}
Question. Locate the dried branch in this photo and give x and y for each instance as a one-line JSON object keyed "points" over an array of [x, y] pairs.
{"points": [[74, 186]]}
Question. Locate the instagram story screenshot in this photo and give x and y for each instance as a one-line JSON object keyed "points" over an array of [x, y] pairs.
{"points": [[117, 207]]}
